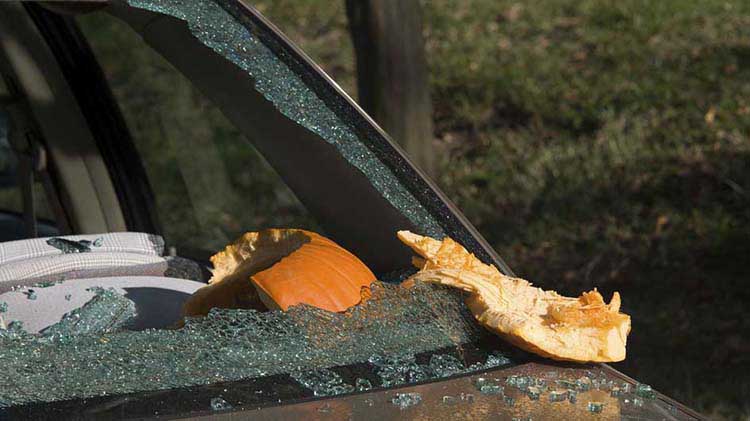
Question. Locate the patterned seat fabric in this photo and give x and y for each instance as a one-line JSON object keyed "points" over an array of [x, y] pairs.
{"points": [[54, 259], [113, 277]]}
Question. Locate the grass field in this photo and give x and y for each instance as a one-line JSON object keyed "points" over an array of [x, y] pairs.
{"points": [[599, 143]]}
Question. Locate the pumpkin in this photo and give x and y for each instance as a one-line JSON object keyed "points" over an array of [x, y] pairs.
{"points": [[279, 268], [582, 329]]}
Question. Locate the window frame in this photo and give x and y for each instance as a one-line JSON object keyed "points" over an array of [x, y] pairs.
{"points": [[86, 80]]}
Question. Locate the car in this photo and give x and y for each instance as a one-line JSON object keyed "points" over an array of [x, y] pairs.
{"points": [[75, 143]]}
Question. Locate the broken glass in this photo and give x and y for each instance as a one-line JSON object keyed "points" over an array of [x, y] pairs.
{"points": [[449, 400], [219, 404], [572, 396], [645, 391], [595, 390], [595, 407], [323, 382], [558, 396], [91, 352], [107, 312], [362, 384], [212, 25], [491, 389], [405, 400]]}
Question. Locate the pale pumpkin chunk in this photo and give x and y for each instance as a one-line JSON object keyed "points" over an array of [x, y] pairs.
{"points": [[583, 329]]}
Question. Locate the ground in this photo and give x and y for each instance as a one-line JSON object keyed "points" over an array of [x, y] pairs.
{"points": [[599, 144]]}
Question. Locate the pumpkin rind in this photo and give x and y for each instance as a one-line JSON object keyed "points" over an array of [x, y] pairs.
{"points": [[319, 273], [278, 268], [582, 329]]}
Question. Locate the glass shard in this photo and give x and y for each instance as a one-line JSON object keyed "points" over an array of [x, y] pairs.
{"points": [[362, 384], [443, 365], [491, 389], [558, 396], [533, 392], [645, 391], [107, 312], [323, 382], [219, 404], [406, 400], [487, 386], [595, 407], [45, 284], [449, 400], [583, 384], [572, 396]]}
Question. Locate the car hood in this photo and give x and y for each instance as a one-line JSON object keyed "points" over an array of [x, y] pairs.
{"points": [[460, 398]]}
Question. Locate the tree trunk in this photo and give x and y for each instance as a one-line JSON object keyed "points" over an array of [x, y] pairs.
{"points": [[392, 75]]}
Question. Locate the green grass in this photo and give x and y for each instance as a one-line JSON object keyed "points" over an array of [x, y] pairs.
{"points": [[600, 143]]}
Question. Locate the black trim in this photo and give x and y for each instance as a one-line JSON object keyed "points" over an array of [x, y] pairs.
{"points": [[105, 121]]}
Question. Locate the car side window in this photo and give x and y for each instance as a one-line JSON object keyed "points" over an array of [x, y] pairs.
{"points": [[209, 183], [12, 225]]}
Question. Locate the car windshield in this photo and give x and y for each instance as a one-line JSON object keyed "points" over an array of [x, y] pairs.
{"points": [[210, 185]]}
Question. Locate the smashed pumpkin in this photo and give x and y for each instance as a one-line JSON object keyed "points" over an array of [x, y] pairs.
{"points": [[278, 268], [583, 329]]}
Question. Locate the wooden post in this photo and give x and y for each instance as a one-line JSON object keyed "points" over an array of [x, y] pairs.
{"points": [[392, 78]]}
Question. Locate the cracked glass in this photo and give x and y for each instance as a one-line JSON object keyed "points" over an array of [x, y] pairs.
{"points": [[398, 336]]}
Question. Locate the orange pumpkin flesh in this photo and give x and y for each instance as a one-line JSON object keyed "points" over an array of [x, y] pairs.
{"points": [[278, 268], [319, 273]]}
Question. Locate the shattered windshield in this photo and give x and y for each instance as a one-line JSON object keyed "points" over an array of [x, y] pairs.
{"points": [[397, 336]]}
